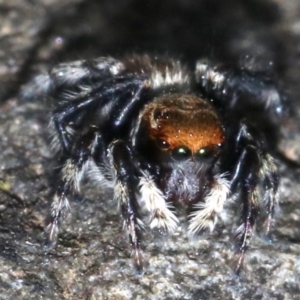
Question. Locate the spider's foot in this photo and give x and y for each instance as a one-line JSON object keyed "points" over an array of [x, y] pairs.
{"points": [[51, 234]]}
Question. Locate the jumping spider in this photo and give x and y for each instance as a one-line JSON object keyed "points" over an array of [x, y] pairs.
{"points": [[157, 132]]}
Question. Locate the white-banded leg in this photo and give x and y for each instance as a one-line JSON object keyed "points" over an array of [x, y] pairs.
{"points": [[244, 232], [69, 183], [73, 74], [125, 193], [206, 212], [247, 172], [270, 180]]}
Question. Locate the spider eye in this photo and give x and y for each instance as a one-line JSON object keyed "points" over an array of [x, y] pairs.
{"points": [[161, 114], [206, 152], [163, 144], [181, 153]]}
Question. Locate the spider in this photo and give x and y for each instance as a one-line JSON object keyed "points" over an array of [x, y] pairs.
{"points": [[157, 133]]}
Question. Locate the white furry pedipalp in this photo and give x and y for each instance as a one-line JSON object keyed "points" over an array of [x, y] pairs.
{"points": [[206, 214], [155, 203]]}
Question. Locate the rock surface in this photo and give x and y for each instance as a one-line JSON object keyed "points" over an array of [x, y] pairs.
{"points": [[92, 259]]}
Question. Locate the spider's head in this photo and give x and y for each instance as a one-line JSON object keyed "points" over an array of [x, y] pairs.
{"points": [[179, 127]]}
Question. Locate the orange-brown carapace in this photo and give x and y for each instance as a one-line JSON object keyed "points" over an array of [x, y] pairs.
{"points": [[185, 122]]}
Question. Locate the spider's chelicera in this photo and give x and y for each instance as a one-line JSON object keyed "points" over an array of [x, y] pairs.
{"points": [[157, 132]]}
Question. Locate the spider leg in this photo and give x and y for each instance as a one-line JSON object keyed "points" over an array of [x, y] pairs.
{"points": [[65, 114], [270, 181], [125, 194], [249, 165], [69, 181], [60, 118], [238, 87], [245, 177], [122, 110], [75, 72], [72, 75]]}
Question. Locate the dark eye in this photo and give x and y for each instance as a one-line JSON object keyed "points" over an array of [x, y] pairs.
{"points": [[163, 144], [157, 114], [161, 114], [205, 152], [181, 153]]}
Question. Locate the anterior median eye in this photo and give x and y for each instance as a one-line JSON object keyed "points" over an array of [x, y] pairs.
{"points": [[181, 153], [205, 152]]}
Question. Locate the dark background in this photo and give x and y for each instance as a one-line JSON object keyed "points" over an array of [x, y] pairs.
{"points": [[92, 259]]}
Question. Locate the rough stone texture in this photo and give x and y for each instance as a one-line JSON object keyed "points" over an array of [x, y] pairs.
{"points": [[92, 259]]}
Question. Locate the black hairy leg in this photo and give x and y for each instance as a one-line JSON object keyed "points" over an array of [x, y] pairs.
{"points": [[125, 194], [100, 97], [248, 166], [245, 181], [69, 181], [75, 77], [247, 99], [270, 181]]}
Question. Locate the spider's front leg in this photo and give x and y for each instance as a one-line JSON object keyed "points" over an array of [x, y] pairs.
{"points": [[252, 168], [247, 169], [69, 181], [125, 193]]}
